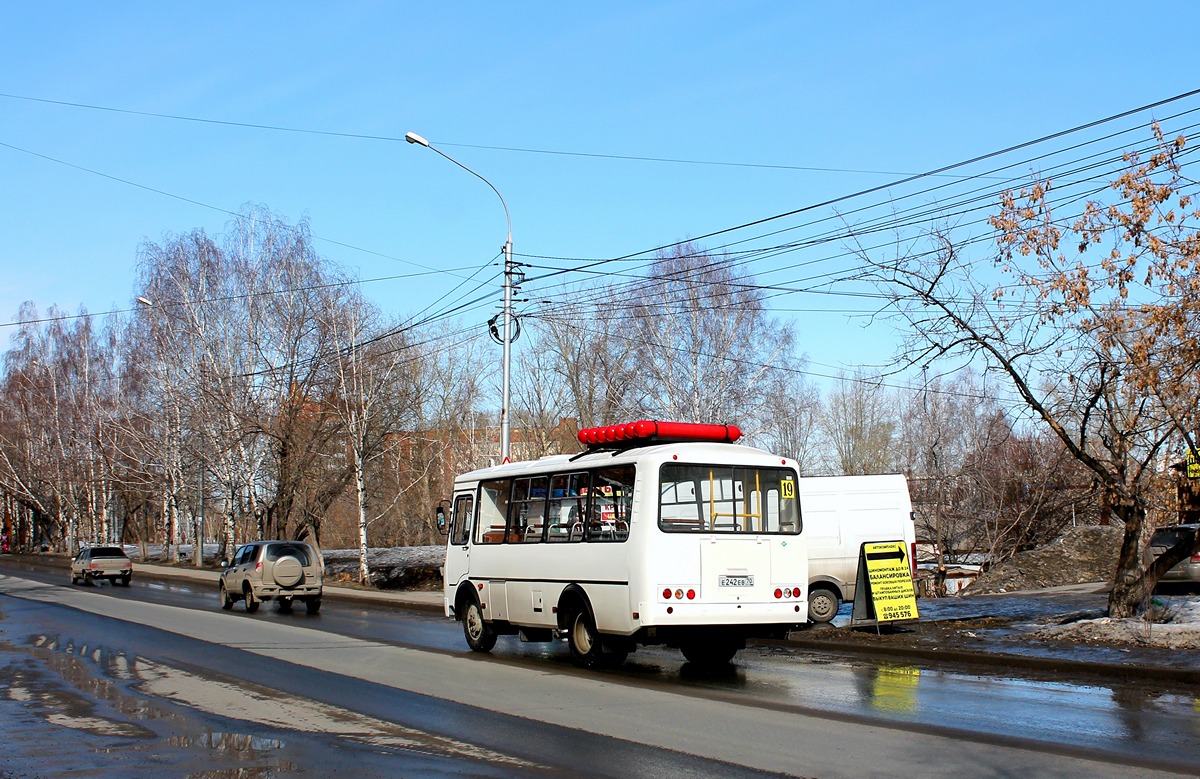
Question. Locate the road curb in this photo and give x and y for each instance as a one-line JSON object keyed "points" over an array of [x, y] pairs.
{"points": [[1005, 661]]}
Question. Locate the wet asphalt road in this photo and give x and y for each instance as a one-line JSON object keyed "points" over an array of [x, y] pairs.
{"points": [[1135, 723]]}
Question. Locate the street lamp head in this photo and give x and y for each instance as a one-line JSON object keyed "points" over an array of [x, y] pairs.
{"points": [[509, 319], [145, 301]]}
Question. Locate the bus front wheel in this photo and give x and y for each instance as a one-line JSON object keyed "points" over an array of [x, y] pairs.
{"points": [[481, 636]]}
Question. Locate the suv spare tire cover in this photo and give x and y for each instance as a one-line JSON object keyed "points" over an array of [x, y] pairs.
{"points": [[287, 571]]}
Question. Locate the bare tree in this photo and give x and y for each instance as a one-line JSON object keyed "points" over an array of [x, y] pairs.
{"points": [[708, 347], [792, 423], [587, 347], [860, 426], [376, 397], [1101, 350]]}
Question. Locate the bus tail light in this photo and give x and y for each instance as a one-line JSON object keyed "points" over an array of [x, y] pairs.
{"points": [[778, 593], [667, 593], [691, 594]]}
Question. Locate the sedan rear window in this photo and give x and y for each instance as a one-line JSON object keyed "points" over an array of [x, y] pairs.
{"points": [[108, 551]]}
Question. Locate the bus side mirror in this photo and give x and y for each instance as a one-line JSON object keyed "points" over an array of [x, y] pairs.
{"points": [[439, 515]]}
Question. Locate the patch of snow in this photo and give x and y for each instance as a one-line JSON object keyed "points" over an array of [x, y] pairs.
{"points": [[1179, 628]]}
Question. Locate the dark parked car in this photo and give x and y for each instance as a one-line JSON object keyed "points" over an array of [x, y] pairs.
{"points": [[102, 562]]}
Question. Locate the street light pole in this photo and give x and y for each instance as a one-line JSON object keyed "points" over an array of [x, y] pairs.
{"points": [[506, 331]]}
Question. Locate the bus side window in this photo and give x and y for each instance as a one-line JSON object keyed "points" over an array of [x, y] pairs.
{"points": [[611, 500], [493, 511], [565, 507], [527, 514], [460, 519]]}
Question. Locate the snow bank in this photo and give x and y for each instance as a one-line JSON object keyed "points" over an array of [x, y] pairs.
{"points": [[1177, 626]]}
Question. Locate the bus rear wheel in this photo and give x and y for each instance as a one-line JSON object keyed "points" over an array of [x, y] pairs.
{"points": [[711, 653], [481, 636], [588, 648]]}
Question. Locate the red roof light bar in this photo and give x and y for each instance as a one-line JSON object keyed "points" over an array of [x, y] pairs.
{"points": [[645, 431]]}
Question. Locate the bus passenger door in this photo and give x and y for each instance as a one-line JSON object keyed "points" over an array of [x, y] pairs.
{"points": [[458, 547]]}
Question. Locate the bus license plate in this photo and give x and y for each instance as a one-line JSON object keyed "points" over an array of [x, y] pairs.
{"points": [[735, 581]]}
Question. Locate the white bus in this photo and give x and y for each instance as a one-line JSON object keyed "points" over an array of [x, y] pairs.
{"points": [[659, 533]]}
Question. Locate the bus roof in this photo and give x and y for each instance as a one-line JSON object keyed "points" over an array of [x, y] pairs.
{"points": [[701, 452]]}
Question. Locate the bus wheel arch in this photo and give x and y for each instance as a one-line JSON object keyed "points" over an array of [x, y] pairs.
{"points": [[588, 647], [479, 633]]}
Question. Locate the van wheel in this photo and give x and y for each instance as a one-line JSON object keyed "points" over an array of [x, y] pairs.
{"points": [[481, 636], [822, 605]]}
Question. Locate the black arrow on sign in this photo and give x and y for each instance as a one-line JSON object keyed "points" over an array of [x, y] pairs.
{"points": [[895, 554]]}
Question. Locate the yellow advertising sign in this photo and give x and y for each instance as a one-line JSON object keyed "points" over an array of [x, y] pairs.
{"points": [[889, 580]]}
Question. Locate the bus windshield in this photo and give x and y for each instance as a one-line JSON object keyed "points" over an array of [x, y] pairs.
{"points": [[727, 499]]}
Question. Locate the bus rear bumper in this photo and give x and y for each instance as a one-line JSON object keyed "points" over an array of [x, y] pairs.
{"points": [[787, 613]]}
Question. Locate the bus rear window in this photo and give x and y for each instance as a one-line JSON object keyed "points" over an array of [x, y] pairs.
{"points": [[727, 499]]}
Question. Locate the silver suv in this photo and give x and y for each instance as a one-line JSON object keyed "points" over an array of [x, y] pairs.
{"points": [[283, 571], [1186, 573]]}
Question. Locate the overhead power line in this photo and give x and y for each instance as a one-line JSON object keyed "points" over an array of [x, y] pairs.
{"points": [[397, 139]]}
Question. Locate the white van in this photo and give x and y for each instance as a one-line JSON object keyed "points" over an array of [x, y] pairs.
{"points": [[840, 513]]}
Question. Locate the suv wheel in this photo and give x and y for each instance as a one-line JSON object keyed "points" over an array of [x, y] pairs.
{"points": [[250, 601], [226, 598], [313, 604]]}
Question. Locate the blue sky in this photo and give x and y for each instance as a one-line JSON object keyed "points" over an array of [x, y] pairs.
{"points": [[800, 102]]}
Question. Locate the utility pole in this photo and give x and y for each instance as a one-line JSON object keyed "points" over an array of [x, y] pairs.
{"points": [[506, 313]]}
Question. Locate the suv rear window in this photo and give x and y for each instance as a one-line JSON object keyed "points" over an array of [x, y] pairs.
{"points": [[299, 551], [1170, 536]]}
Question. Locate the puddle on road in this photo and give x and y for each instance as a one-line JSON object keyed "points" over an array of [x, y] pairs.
{"points": [[134, 717], [67, 709]]}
